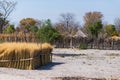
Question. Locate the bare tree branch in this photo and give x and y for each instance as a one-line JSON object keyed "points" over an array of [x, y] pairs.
{"points": [[6, 8]]}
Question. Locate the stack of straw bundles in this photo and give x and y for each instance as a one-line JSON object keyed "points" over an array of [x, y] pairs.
{"points": [[25, 55]]}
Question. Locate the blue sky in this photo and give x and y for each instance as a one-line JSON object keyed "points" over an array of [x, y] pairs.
{"points": [[44, 9]]}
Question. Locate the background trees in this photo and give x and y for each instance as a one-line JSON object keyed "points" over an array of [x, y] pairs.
{"points": [[66, 28], [110, 30], [47, 33], [67, 25], [6, 8], [9, 29], [34, 29], [117, 24], [95, 28], [27, 23], [93, 23]]}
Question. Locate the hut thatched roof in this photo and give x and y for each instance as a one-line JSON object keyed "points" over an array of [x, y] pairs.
{"points": [[80, 34], [115, 38]]}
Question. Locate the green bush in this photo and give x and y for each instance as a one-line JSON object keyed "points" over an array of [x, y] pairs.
{"points": [[9, 29], [83, 46], [34, 29]]}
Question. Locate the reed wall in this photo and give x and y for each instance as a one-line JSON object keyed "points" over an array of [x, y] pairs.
{"points": [[25, 55]]}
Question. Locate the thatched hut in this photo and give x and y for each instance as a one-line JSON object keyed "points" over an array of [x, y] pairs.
{"points": [[77, 37], [25, 55], [70, 40], [79, 33], [116, 38]]}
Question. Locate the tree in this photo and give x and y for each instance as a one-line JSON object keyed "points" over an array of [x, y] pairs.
{"points": [[34, 29], [95, 28], [117, 24], [93, 23], [110, 30], [47, 33], [92, 17], [26, 23], [67, 19], [9, 29], [17, 29], [6, 8], [38, 23], [67, 26]]}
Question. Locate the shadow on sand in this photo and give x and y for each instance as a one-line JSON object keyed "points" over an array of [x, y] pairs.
{"points": [[69, 55], [49, 66]]}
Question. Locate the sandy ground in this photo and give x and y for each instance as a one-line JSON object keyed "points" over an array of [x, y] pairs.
{"points": [[71, 63]]}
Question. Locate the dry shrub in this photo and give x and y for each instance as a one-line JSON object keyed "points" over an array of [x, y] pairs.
{"points": [[112, 54], [24, 55]]}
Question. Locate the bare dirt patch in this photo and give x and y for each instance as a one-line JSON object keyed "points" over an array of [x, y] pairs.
{"points": [[75, 65]]}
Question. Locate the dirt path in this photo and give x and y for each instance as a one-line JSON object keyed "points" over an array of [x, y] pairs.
{"points": [[103, 64]]}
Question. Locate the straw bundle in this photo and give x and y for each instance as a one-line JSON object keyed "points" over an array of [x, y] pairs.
{"points": [[25, 55]]}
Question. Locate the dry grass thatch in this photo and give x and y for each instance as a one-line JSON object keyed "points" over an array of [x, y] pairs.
{"points": [[116, 38], [24, 55]]}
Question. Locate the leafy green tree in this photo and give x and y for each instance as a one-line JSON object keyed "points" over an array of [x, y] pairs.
{"points": [[47, 33], [9, 29], [110, 30], [95, 28], [34, 29]]}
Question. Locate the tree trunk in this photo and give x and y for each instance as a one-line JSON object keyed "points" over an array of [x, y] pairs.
{"points": [[71, 43]]}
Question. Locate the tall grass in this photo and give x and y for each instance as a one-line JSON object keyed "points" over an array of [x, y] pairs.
{"points": [[24, 55]]}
